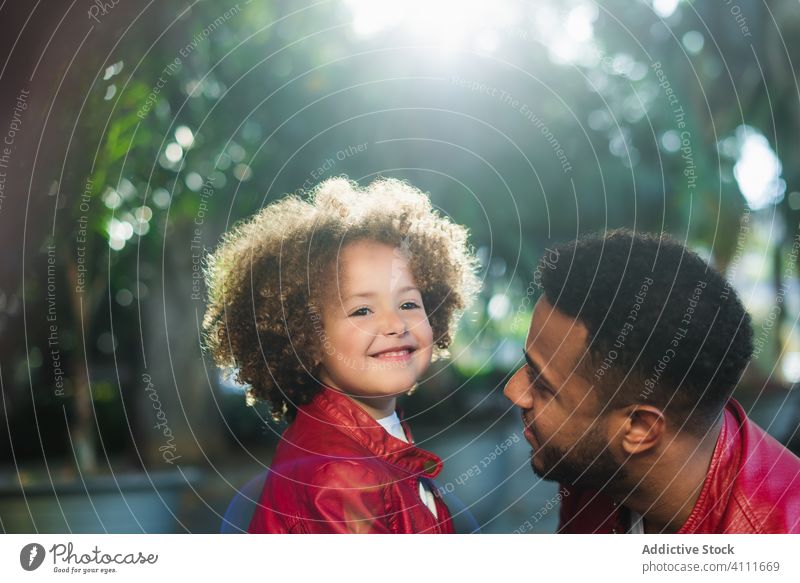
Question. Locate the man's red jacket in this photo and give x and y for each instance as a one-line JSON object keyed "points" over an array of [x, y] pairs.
{"points": [[752, 486], [337, 470]]}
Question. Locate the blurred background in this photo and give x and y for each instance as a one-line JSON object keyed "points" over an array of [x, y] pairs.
{"points": [[135, 133]]}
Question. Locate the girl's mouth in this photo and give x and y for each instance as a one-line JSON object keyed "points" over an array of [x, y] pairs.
{"points": [[396, 355]]}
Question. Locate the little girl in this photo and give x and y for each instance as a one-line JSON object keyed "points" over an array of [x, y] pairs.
{"points": [[329, 308]]}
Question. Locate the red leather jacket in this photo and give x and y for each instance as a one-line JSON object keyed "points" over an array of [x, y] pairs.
{"points": [[337, 470], [752, 486]]}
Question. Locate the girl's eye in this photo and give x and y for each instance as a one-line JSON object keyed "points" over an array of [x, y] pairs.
{"points": [[410, 305], [360, 312]]}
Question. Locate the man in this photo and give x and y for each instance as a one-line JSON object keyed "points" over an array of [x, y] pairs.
{"points": [[632, 355]]}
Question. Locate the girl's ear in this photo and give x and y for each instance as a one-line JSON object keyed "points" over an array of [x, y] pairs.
{"points": [[316, 349], [315, 358]]}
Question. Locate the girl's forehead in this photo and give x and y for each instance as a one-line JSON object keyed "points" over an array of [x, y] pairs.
{"points": [[367, 256], [370, 266]]}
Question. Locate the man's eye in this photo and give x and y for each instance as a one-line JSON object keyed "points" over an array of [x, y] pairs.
{"points": [[410, 305], [536, 382], [360, 312]]}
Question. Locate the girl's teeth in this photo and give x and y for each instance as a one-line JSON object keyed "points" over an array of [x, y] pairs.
{"points": [[397, 353]]}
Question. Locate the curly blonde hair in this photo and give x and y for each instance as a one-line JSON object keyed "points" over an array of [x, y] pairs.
{"points": [[269, 273]]}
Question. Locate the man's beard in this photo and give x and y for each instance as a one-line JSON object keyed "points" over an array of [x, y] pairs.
{"points": [[588, 463]]}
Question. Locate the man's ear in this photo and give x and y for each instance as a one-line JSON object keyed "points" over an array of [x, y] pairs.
{"points": [[643, 429]]}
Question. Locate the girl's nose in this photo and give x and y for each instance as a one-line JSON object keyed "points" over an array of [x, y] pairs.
{"points": [[394, 324]]}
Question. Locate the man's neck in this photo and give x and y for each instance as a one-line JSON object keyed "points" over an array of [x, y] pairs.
{"points": [[669, 491]]}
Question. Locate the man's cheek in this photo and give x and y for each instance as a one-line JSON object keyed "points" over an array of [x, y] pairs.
{"points": [[540, 405]]}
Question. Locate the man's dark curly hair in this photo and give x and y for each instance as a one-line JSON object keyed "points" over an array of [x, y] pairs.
{"points": [[665, 328], [271, 274]]}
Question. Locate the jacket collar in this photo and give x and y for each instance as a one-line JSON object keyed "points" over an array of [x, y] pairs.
{"points": [[708, 511], [332, 407]]}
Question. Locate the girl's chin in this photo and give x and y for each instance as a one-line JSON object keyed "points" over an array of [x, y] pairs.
{"points": [[382, 390], [381, 393], [377, 384]]}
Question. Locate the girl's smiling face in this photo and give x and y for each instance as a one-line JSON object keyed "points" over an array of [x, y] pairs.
{"points": [[377, 340]]}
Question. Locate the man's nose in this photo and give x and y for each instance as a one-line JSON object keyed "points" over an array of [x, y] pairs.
{"points": [[517, 390]]}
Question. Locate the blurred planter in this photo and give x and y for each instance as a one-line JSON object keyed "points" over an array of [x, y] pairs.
{"points": [[122, 503]]}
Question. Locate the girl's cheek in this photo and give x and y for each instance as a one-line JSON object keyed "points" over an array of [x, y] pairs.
{"points": [[422, 320], [427, 331], [350, 325]]}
